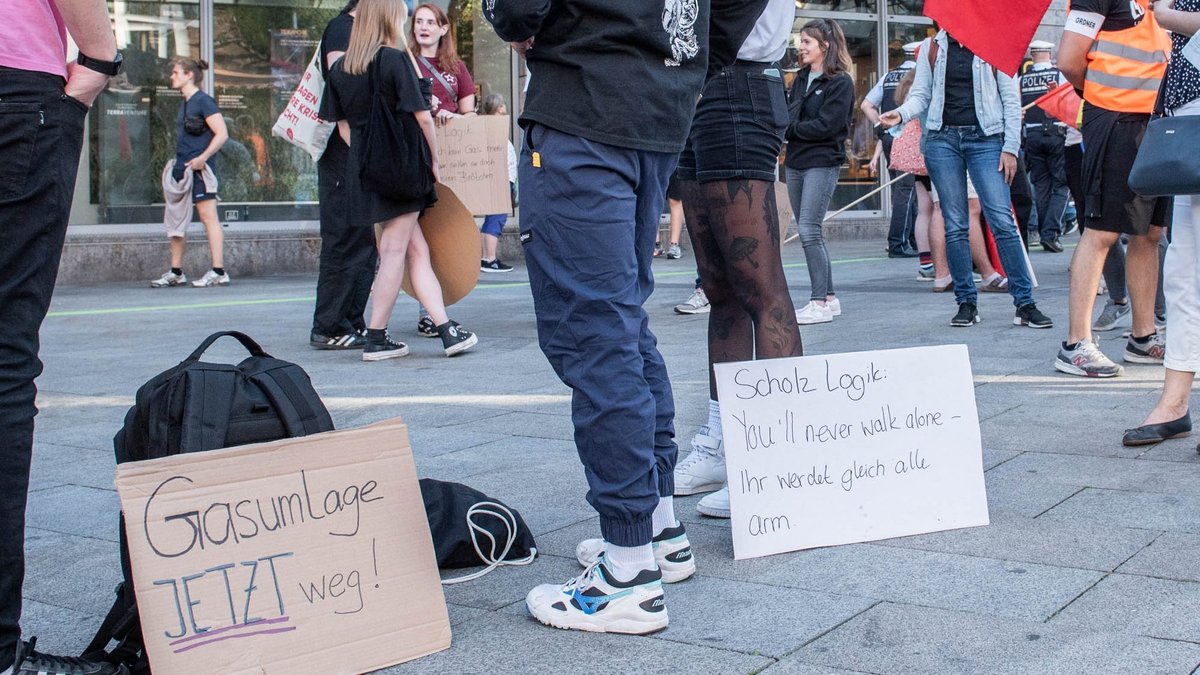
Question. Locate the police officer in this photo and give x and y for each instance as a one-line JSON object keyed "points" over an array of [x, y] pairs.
{"points": [[881, 99], [1045, 138]]}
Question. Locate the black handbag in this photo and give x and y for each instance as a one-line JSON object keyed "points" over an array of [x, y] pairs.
{"points": [[194, 126], [394, 160], [1167, 163]]}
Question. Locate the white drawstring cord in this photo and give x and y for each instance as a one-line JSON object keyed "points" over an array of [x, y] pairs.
{"points": [[491, 559]]}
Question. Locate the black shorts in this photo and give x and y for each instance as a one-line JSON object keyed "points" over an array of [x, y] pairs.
{"points": [[737, 131], [1117, 208], [673, 189]]}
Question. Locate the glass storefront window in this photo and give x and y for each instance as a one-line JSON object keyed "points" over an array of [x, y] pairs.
{"points": [[906, 7], [864, 6]]}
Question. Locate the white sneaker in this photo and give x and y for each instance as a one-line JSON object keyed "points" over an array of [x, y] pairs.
{"points": [[595, 601], [834, 306], [703, 470], [672, 552], [715, 505], [696, 304], [211, 278], [169, 278], [814, 313]]}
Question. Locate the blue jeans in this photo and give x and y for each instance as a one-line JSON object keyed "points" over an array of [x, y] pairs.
{"points": [[950, 153], [589, 216]]}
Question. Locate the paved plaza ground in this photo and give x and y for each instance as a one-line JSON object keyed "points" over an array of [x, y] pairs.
{"points": [[1091, 563]]}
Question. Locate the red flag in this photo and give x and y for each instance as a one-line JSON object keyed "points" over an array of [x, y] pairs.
{"points": [[1061, 103], [997, 32]]}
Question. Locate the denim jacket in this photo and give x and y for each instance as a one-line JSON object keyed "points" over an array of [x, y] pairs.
{"points": [[997, 96]]}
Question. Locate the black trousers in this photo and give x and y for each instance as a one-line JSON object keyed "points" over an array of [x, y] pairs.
{"points": [[901, 231], [1044, 153], [348, 255], [1022, 199], [41, 134]]}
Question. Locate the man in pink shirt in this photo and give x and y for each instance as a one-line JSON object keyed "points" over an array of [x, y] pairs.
{"points": [[43, 102]]}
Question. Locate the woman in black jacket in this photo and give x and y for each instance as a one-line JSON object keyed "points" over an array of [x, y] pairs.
{"points": [[820, 104]]}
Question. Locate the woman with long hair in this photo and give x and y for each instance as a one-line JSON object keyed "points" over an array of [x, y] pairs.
{"points": [[430, 39], [821, 107], [376, 42]]}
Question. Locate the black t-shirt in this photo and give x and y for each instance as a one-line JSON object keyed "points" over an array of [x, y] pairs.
{"points": [[1118, 14], [959, 110], [187, 146], [348, 97], [731, 21], [336, 38]]}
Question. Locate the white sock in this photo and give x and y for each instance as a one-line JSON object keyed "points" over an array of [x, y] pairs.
{"points": [[664, 515], [714, 418], [993, 276], [7, 671], [626, 562]]}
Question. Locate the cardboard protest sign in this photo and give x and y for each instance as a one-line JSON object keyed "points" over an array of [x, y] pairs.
{"points": [[473, 161], [844, 448], [306, 555], [453, 239]]}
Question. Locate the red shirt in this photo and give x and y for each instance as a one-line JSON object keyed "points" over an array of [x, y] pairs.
{"points": [[461, 85]]}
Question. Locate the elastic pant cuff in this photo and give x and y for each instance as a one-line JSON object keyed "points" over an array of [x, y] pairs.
{"points": [[627, 533], [666, 484]]}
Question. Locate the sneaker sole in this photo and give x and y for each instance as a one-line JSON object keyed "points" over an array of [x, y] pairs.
{"points": [[960, 324], [325, 346], [813, 322], [711, 512], [624, 626], [382, 356], [697, 490], [1130, 357], [703, 310], [428, 335], [1072, 369], [462, 346], [1022, 322], [488, 270]]}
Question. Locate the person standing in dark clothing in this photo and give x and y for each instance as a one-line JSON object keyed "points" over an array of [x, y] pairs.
{"points": [[348, 255], [1045, 144], [881, 99], [43, 103]]}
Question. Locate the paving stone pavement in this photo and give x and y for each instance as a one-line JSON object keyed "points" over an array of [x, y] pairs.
{"points": [[1091, 563]]}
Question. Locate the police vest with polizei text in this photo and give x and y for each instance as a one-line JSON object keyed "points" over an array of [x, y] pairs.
{"points": [[1126, 67], [1034, 85], [890, 82]]}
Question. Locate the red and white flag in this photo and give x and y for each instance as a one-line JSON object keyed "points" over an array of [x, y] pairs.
{"points": [[997, 31]]}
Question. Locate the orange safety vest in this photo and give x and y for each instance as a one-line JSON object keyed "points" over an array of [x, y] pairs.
{"points": [[1126, 67]]}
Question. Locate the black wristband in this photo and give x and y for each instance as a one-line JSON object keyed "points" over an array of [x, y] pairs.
{"points": [[109, 68]]}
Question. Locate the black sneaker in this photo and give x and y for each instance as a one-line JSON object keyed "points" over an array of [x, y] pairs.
{"points": [[30, 662], [347, 341], [1030, 315], [1052, 246], [380, 346], [967, 316], [426, 328], [494, 266], [455, 338]]}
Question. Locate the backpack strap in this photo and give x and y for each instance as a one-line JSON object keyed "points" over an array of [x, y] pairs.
{"points": [[247, 342], [301, 414]]}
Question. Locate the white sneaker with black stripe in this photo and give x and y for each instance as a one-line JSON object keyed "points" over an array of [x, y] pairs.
{"points": [[596, 601], [672, 552]]}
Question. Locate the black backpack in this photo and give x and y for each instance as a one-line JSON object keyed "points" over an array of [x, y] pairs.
{"points": [[195, 407]]}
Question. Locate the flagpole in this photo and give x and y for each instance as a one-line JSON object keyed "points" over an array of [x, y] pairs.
{"points": [[870, 194]]}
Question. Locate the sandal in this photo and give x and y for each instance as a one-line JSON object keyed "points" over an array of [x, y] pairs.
{"points": [[996, 285]]}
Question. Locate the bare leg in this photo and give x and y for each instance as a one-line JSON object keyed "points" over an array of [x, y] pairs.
{"points": [[393, 244], [177, 246], [1086, 265], [924, 216], [489, 243], [978, 244], [424, 282], [1141, 278], [937, 243], [1173, 403], [676, 207], [212, 227]]}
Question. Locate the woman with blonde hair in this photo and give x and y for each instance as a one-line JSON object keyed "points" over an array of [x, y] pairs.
{"points": [[376, 47]]}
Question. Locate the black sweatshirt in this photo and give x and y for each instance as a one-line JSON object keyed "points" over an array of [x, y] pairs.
{"points": [[621, 72], [820, 120]]}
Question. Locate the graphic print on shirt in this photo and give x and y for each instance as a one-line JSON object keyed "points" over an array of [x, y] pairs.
{"points": [[679, 20]]}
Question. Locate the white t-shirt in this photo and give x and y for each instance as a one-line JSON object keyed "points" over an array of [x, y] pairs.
{"points": [[769, 38]]}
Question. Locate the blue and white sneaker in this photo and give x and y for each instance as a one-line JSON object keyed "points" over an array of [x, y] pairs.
{"points": [[595, 601], [672, 552]]}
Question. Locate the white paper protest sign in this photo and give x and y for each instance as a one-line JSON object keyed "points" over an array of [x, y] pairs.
{"points": [[845, 448]]}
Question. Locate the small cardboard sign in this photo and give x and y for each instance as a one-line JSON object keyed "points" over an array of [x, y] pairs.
{"points": [[306, 555], [846, 448], [473, 161]]}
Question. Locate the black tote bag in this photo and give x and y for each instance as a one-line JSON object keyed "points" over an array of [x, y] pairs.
{"points": [[1167, 162], [394, 161]]}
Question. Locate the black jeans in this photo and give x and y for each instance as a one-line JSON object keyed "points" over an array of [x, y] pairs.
{"points": [[1045, 156], [348, 255], [41, 134]]}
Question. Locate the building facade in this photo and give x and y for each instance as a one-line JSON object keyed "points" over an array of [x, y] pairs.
{"points": [[259, 48]]}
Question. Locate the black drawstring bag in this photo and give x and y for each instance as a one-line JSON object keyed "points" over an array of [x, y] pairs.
{"points": [[394, 160], [447, 506]]}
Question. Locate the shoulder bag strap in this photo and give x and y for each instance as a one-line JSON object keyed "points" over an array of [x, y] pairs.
{"points": [[437, 75]]}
